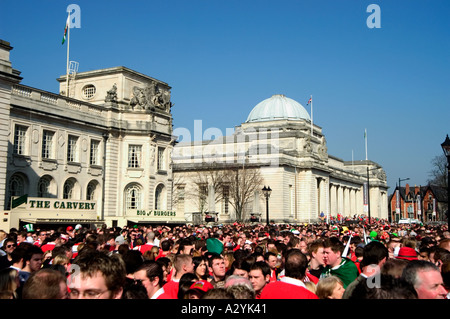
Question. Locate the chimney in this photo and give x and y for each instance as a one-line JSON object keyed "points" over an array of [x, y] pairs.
{"points": [[406, 189], [6, 70]]}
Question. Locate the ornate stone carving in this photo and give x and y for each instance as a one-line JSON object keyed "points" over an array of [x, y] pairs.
{"points": [[322, 148], [307, 146], [111, 95], [150, 98]]}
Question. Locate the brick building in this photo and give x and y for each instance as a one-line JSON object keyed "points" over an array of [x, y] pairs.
{"points": [[425, 203]]}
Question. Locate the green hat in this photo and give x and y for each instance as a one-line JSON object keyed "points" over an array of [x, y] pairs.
{"points": [[373, 234]]}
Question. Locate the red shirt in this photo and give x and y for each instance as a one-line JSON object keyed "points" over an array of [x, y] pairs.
{"points": [[273, 275], [170, 290], [287, 288], [144, 248]]}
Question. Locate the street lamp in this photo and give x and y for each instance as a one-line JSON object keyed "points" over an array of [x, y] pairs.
{"points": [[399, 191], [266, 191], [446, 148]]}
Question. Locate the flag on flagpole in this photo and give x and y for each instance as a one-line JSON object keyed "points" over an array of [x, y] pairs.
{"points": [[66, 29], [366, 240], [347, 247], [309, 101]]}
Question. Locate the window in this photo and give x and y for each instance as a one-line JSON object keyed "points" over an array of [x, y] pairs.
{"points": [[161, 160], [47, 144], [226, 199], [68, 189], [90, 192], [133, 197], [134, 156], [16, 186], [20, 139], [160, 202], [181, 192], [72, 149], [94, 154], [89, 91], [44, 187]]}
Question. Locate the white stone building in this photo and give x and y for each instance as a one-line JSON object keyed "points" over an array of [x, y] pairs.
{"points": [[99, 153], [102, 151], [279, 140]]}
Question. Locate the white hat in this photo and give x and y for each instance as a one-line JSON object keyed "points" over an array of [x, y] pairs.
{"points": [[78, 226]]}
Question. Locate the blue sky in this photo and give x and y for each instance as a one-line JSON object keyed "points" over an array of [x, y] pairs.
{"points": [[222, 57]]}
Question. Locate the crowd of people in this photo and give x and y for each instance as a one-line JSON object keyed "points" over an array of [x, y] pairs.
{"points": [[349, 259]]}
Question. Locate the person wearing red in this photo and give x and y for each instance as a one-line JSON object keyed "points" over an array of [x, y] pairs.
{"points": [[259, 276], [41, 236], [183, 264], [290, 286], [272, 260], [150, 237], [55, 239]]}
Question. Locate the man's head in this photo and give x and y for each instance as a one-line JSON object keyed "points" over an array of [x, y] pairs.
{"points": [[150, 237], [186, 247], [295, 264], [315, 251], [332, 251], [445, 243], [97, 276], [271, 259], [183, 264], [33, 258], [9, 245], [426, 279], [151, 276], [216, 265], [259, 275], [45, 284], [374, 253]]}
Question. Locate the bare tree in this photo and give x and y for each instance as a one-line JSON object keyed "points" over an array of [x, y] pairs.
{"points": [[242, 185], [212, 177], [438, 173]]}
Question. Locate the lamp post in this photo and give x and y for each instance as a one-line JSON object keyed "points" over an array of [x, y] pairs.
{"points": [[399, 193], [266, 191], [446, 148]]}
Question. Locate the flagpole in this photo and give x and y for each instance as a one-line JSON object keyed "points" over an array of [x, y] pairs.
{"points": [[312, 133], [67, 66], [365, 139]]}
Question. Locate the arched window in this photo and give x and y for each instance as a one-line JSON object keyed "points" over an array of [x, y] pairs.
{"points": [[160, 197], [44, 187], [91, 191], [17, 186], [133, 197], [68, 189]]}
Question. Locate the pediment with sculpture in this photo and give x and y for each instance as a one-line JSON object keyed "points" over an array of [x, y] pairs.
{"points": [[151, 97]]}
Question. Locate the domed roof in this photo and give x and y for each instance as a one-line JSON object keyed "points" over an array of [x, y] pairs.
{"points": [[278, 107]]}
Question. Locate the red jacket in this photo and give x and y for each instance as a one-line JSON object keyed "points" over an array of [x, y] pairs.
{"points": [[287, 288]]}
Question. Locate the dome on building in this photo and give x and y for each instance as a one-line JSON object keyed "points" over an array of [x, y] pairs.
{"points": [[278, 107]]}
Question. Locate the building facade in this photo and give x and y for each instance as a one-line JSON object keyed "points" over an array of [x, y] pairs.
{"points": [[97, 152], [103, 151], [425, 203], [277, 146]]}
